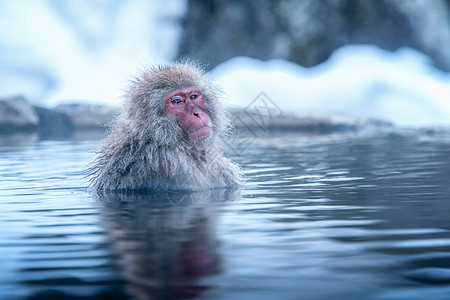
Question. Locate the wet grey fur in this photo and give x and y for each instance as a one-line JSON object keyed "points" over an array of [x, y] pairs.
{"points": [[147, 149]]}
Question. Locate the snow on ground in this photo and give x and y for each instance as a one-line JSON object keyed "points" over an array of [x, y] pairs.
{"points": [[363, 81], [53, 51]]}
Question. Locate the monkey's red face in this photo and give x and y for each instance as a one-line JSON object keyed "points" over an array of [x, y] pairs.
{"points": [[188, 105]]}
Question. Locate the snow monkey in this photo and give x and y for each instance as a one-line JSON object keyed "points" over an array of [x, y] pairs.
{"points": [[167, 135]]}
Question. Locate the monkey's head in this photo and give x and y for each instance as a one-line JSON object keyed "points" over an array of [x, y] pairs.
{"points": [[175, 105]]}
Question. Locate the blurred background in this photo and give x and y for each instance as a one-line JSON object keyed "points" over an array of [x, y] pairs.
{"points": [[347, 172], [384, 59]]}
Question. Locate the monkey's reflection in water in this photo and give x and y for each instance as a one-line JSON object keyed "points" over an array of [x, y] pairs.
{"points": [[165, 242]]}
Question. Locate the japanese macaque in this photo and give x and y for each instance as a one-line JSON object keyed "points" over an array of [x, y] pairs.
{"points": [[167, 136]]}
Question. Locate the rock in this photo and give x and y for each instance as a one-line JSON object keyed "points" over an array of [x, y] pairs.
{"points": [[316, 124], [16, 114], [89, 121], [59, 124], [435, 131], [308, 31], [53, 123], [87, 116]]}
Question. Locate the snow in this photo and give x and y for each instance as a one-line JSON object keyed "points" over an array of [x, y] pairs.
{"points": [[53, 51], [364, 81], [60, 51]]}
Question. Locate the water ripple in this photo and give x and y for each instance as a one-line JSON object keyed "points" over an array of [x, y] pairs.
{"points": [[344, 217]]}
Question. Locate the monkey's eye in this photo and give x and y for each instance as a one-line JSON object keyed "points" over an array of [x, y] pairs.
{"points": [[176, 101], [193, 96]]}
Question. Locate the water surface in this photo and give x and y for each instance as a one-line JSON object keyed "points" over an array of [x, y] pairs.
{"points": [[355, 216]]}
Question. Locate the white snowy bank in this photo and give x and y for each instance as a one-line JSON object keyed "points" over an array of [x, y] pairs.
{"points": [[364, 81]]}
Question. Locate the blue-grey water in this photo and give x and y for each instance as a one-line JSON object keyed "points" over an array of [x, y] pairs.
{"points": [[349, 216]]}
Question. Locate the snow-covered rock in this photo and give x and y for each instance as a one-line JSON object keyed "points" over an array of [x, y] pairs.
{"points": [[16, 114]]}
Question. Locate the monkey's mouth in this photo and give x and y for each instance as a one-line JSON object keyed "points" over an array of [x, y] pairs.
{"points": [[199, 132]]}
